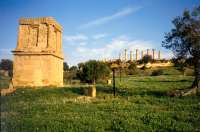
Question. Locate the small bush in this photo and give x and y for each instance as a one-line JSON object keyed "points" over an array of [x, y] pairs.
{"points": [[132, 69], [157, 72]]}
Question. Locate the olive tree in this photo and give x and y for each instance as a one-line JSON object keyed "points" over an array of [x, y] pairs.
{"points": [[184, 39]]}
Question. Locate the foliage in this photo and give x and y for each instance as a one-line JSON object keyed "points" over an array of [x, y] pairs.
{"points": [[7, 65], [180, 64], [132, 69], [73, 68], [189, 61], [4, 82], [157, 72], [146, 59], [71, 74], [184, 39], [65, 66], [92, 71], [182, 67]]}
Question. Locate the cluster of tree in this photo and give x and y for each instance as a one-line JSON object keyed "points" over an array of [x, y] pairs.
{"points": [[124, 68], [69, 73], [88, 72], [132, 68], [7, 65]]}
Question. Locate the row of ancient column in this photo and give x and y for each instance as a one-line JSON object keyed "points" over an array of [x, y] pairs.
{"points": [[152, 53]]}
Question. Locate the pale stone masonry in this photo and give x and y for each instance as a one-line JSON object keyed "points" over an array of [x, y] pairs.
{"points": [[159, 55], [38, 57], [148, 52], [136, 55], [125, 54], [131, 55], [142, 54], [153, 54]]}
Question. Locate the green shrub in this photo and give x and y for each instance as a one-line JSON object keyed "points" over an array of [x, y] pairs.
{"points": [[132, 69], [157, 72], [92, 71]]}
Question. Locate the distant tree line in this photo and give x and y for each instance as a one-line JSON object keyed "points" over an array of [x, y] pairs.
{"points": [[88, 72]]}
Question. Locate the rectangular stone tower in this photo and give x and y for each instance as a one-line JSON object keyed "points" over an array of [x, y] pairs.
{"points": [[38, 57]]}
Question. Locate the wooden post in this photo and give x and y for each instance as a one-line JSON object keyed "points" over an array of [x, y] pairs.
{"points": [[120, 75], [114, 89]]}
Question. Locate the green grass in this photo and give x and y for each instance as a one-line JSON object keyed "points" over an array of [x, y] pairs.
{"points": [[140, 105], [4, 82]]}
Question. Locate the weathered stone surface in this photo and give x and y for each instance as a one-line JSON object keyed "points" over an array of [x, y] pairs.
{"points": [[109, 81], [92, 91], [38, 57]]}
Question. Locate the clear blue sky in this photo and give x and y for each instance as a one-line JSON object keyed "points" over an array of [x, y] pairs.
{"points": [[96, 29]]}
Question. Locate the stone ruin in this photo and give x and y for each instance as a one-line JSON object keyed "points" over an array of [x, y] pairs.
{"points": [[38, 57], [137, 55]]}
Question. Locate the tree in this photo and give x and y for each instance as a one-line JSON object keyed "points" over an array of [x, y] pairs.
{"points": [[65, 66], [146, 59], [73, 68], [70, 74], [73, 72], [184, 39], [7, 65], [92, 71], [132, 68]]}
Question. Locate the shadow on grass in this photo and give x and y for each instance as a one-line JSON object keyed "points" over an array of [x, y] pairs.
{"points": [[75, 90], [31, 94], [124, 93], [106, 89], [184, 80]]}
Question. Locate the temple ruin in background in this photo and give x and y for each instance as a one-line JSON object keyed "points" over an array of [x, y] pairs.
{"points": [[38, 57]]}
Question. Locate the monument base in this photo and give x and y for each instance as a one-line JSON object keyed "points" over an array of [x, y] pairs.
{"points": [[37, 70]]}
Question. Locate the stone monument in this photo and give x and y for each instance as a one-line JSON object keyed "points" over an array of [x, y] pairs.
{"points": [[153, 54], [38, 57], [159, 55], [125, 55], [136, 55], [131, 55]]}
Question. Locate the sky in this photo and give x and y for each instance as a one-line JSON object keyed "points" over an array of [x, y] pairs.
{"points": [[96, 29]]}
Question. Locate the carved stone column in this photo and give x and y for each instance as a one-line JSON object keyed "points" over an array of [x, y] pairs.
{"points": [[153, 52], [131, 55], [159, 55], [125, 55], [136, 55]]}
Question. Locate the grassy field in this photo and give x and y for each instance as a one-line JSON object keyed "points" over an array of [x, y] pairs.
{"points": [[140, 105]]}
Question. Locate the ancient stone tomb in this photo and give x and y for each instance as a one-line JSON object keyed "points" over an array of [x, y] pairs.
{"points": [[38, 57]]}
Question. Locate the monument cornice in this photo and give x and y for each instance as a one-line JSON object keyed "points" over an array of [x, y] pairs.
{"points": [[37, 21], [19, 52]]}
